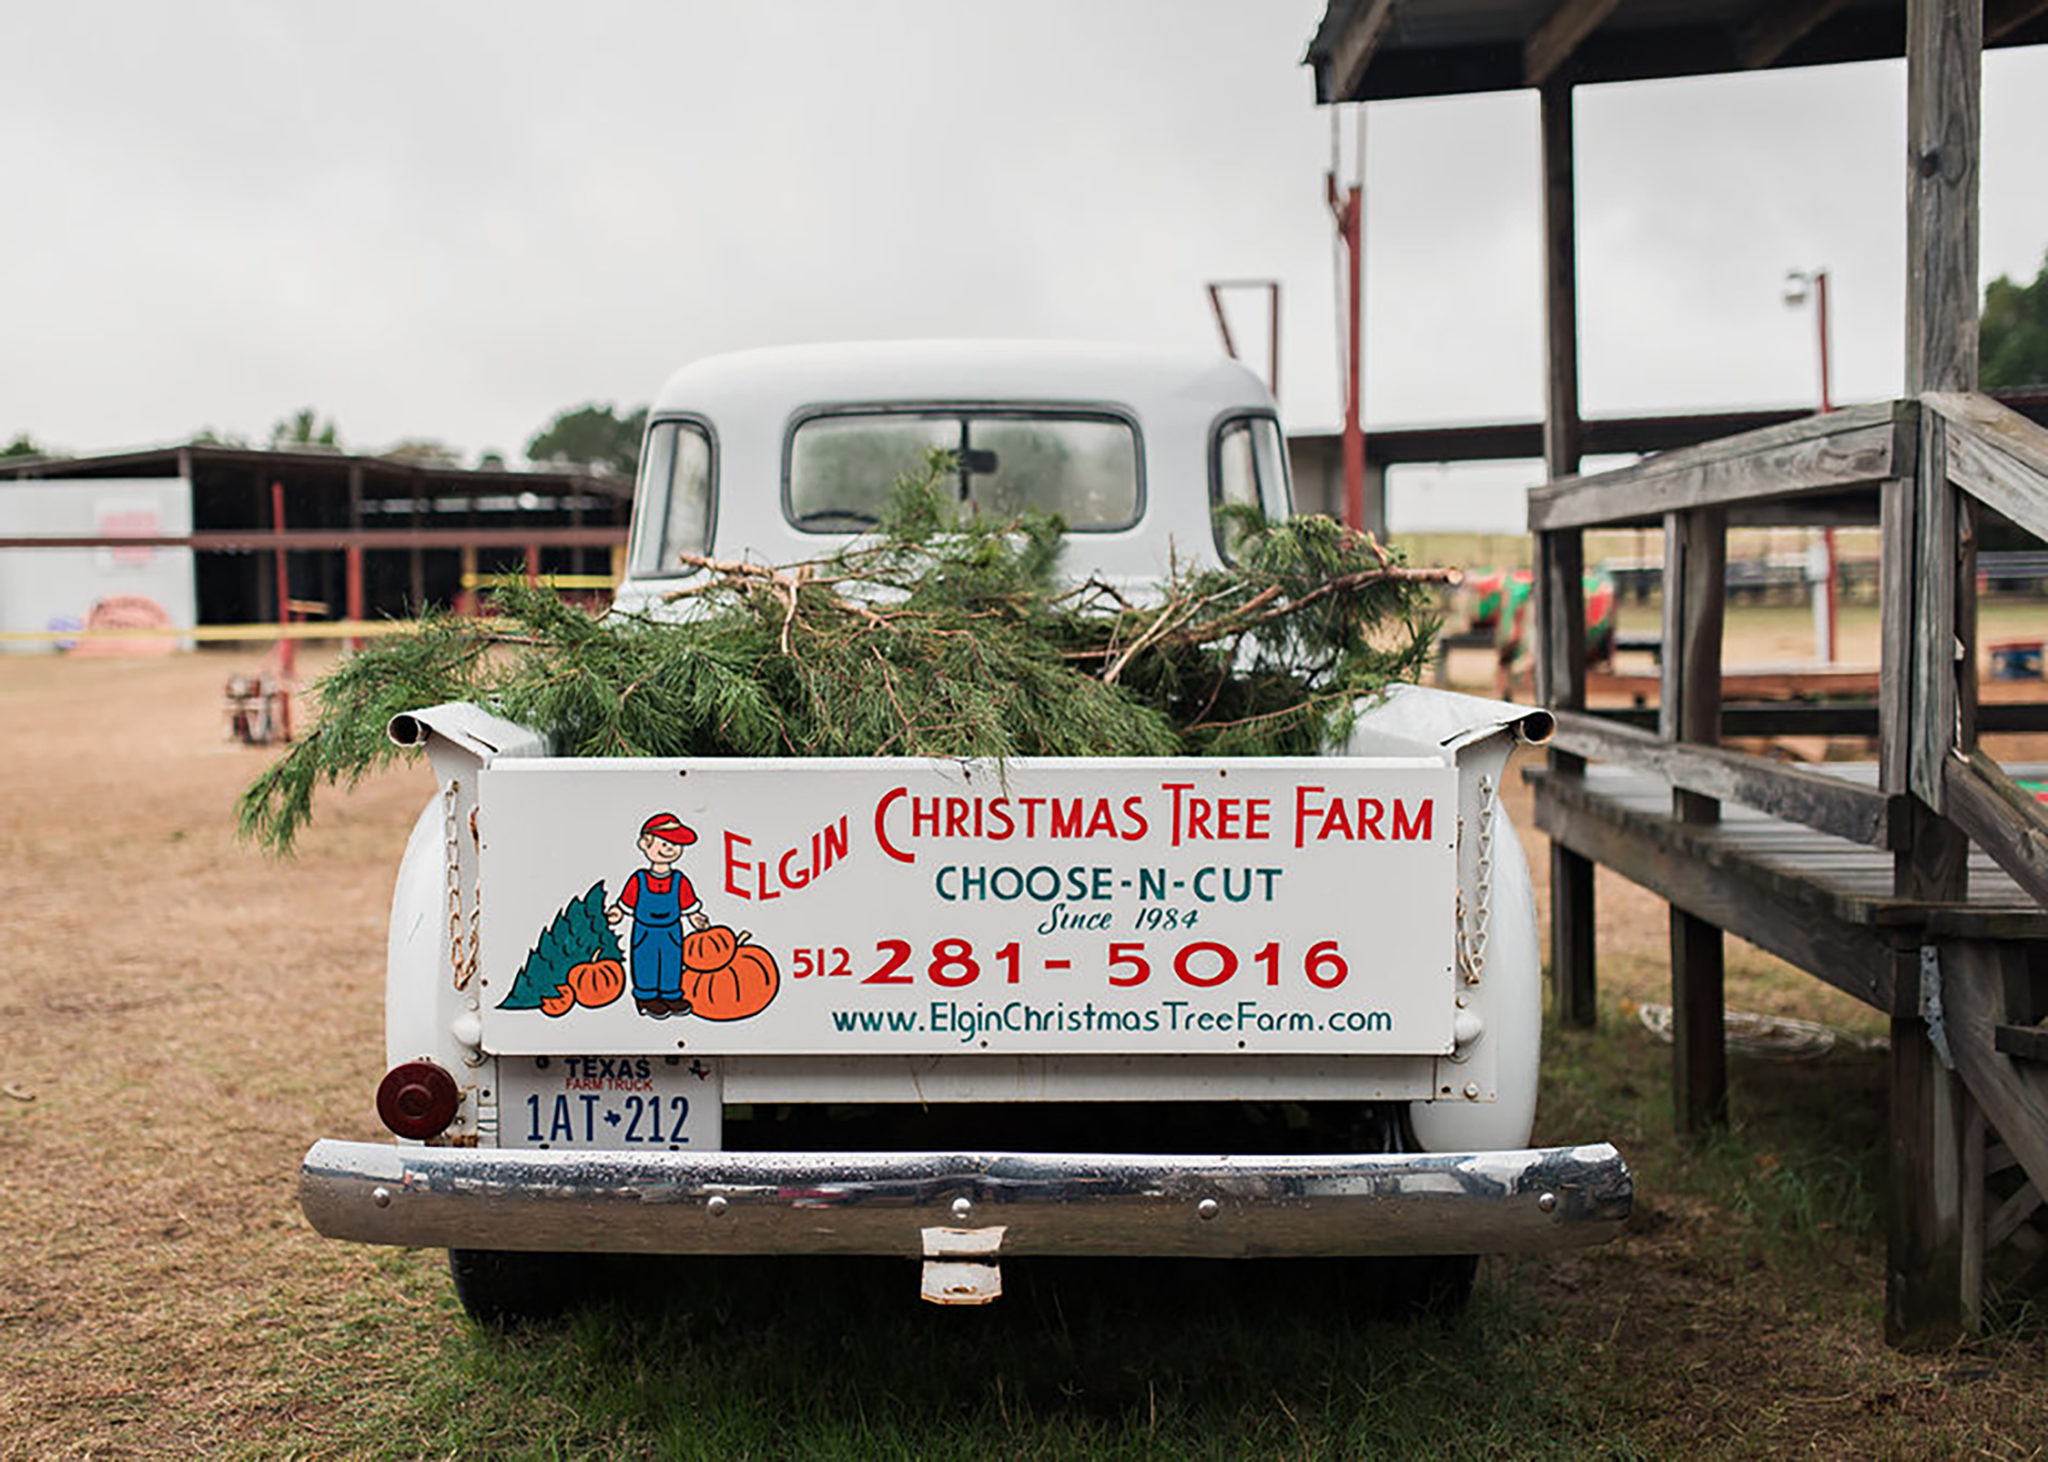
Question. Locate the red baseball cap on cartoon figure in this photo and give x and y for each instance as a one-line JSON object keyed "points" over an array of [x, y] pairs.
{"points": [[669, 828]]}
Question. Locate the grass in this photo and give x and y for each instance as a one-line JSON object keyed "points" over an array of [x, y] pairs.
{"points": [[1738, 1317], [809, 1357]]}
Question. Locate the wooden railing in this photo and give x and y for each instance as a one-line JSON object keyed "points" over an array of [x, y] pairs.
{"points": [[1918, 468], [1997, 458]]}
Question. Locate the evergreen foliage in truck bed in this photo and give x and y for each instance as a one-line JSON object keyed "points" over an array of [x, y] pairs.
{"points": [[932, 635]]}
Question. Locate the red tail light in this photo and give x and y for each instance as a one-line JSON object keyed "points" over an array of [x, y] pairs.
{"points": [[417, 1099]]}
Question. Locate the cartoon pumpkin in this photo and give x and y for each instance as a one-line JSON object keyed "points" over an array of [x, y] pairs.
{"points": [[740, 988], [596, 982], [709, 949], [559, 1003]]}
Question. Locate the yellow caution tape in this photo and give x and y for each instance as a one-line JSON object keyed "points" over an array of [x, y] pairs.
{"points": [[545, 581], [339, 629]]}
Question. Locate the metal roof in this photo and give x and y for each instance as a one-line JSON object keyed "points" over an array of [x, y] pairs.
{"points": [[1370, 50], [422, 479]]}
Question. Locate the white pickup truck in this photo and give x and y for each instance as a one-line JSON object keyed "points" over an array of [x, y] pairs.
{"points": [[960, 1012]]}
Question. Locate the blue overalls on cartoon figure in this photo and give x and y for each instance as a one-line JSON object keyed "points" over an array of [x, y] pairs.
{"points": [[659, 898], [657, 935]]}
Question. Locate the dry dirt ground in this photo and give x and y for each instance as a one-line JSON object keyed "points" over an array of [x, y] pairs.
{"points": [[181, 1015]]}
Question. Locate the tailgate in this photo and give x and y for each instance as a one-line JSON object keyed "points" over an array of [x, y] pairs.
{"points": [[1046, 906]]}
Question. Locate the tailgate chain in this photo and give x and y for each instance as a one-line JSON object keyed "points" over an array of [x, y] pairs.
{"points": [[1475, 922], [462, 942]]}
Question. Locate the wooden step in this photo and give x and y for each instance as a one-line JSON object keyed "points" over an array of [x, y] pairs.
{"points": [[2022, 1042]]}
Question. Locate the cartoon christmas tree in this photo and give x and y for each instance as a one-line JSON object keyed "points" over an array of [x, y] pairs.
{"points": [[578, 933]]}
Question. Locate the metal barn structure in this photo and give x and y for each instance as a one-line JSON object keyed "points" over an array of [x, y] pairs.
{"points": [[1918, 885], [362, 537]]}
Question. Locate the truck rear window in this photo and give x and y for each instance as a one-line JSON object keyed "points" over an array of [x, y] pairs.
{"points": [[672, 513], [1081, 465]]}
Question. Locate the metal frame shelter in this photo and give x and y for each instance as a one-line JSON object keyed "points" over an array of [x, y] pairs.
{"points": [[1919, 885], [367, 537]]}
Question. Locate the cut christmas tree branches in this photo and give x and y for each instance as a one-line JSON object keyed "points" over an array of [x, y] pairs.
{"points": [[925, 637]]}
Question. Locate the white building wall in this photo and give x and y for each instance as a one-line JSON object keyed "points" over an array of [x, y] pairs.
{"points": [[55, 588]]}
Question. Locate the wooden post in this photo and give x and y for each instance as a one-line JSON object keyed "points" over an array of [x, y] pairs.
{"points": [[1560, 557], [1562, 429], [1927, 1258], [1925, 1248], [1895, 646], [1944, 44], [1695, 588], [1944, 65]]}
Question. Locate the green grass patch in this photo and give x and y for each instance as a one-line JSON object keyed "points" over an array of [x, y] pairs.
{"points": [[1739, 1316], [814, 1357]]}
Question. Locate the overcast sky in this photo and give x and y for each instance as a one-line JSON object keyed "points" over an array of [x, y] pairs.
{"points": [[452, 220]]}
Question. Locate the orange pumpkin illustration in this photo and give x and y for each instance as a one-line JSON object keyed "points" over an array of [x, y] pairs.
{"points": [[558, 1003], [709, 949], [597, 982], [742, 988]]}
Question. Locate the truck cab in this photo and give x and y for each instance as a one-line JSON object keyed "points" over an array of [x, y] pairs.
{"points": [[782, 455], [948, 1010]]}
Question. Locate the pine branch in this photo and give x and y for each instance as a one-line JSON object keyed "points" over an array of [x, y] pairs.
{"points": [[929, 636]]}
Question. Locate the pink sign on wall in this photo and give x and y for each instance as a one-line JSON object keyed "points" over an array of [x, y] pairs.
{"points": [[128, 520]]}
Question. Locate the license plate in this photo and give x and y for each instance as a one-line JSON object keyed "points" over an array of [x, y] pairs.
{"points": [[636, 1103]]}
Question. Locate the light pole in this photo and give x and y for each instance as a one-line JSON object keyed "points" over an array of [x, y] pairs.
{"points": [[1797, 284]]}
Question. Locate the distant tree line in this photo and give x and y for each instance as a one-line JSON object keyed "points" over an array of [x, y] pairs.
{"points": [[2012, 333], [592, 436]]}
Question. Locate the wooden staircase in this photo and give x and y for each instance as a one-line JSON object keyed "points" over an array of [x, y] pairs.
{"points": [[1920, 887]]}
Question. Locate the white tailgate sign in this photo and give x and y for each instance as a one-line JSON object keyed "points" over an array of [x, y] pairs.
{"points": [[876, 906]]}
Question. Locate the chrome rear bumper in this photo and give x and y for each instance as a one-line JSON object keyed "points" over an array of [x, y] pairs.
{"points": [[1030, 1203]]}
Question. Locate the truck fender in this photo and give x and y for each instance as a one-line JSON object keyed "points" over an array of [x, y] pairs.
{"points": [[431, 1009], [414, 1025]]}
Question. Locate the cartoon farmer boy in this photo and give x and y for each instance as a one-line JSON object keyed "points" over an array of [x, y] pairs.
{"points": [[658, 897]]}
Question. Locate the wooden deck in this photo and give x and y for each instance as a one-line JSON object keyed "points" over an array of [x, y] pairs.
{"points": [[1824, 902]]}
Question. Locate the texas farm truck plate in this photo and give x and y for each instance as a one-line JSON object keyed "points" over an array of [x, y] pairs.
{"points": [[1037, 906]]}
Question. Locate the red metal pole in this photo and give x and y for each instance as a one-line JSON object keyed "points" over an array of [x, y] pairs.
{"points": [[355, 591], [286, 650], [1350, 217]]}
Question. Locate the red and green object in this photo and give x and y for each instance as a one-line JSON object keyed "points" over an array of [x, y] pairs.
{"points": [[1510, 594]]}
